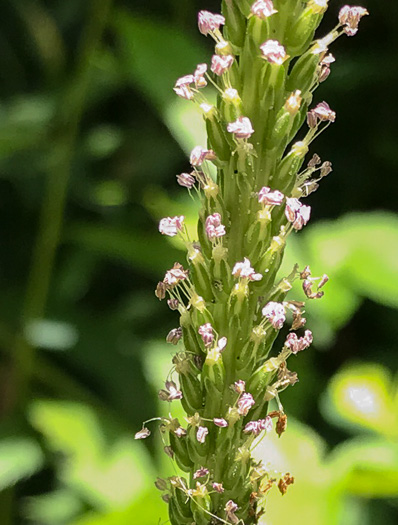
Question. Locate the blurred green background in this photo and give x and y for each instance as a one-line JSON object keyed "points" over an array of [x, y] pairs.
{"points": [[91, 138]]}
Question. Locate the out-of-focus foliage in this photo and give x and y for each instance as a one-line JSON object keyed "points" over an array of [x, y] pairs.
{"points": [[89, 120]]}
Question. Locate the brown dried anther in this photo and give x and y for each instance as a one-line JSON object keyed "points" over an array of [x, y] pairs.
{"points": [[284, 483]]}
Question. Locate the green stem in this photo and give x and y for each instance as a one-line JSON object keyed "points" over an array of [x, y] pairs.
{"points": [[66, 128]]}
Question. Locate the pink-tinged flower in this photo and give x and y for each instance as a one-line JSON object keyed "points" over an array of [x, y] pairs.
{"points": [[350, 17], [263, 9], [230, 508], [245, 271], [274, 52], [239, 386], [201, 473], [245, 403], [220, 422], [170, 393], [256, 427], [275, 313], [175, 275], [207, 335], [182, 87], [198, 76], [209, 22], [199, 155], [270, 198], [221, 64], [218, 487], [324, 113], [142, 434], [214, 228], [297, 213], [171, 225], [201, 434], [242, 128], [296, 344], [186, 180], [173, 304]]}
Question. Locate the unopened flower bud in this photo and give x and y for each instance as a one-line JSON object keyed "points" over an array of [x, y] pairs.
{"points": [[242, 128], [221, 64], [169, 451], [263, 9], [220, 422], [318, 6], [274, 52], [218, 487], [209, 22], [161, 484], [350, 17], [293, 103]]}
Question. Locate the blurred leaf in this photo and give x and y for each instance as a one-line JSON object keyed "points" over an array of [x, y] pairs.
{"points": [[20, 458], [133, 248], [146, 47], [369, 468], [159, 204], [358, 398], [107, 468], [148, 510], [103, 141], [23, 122], [362, 249], [55, 508], [51, 335]]}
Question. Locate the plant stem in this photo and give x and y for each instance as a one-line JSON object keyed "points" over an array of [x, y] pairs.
{"points": [[66, 129]]}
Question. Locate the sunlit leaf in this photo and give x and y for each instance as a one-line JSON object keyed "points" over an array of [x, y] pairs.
{"points": [[147, 510], [57, 507], [108, 468], [358, 397], [20, 458], [146, 47], [368, 467]]}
